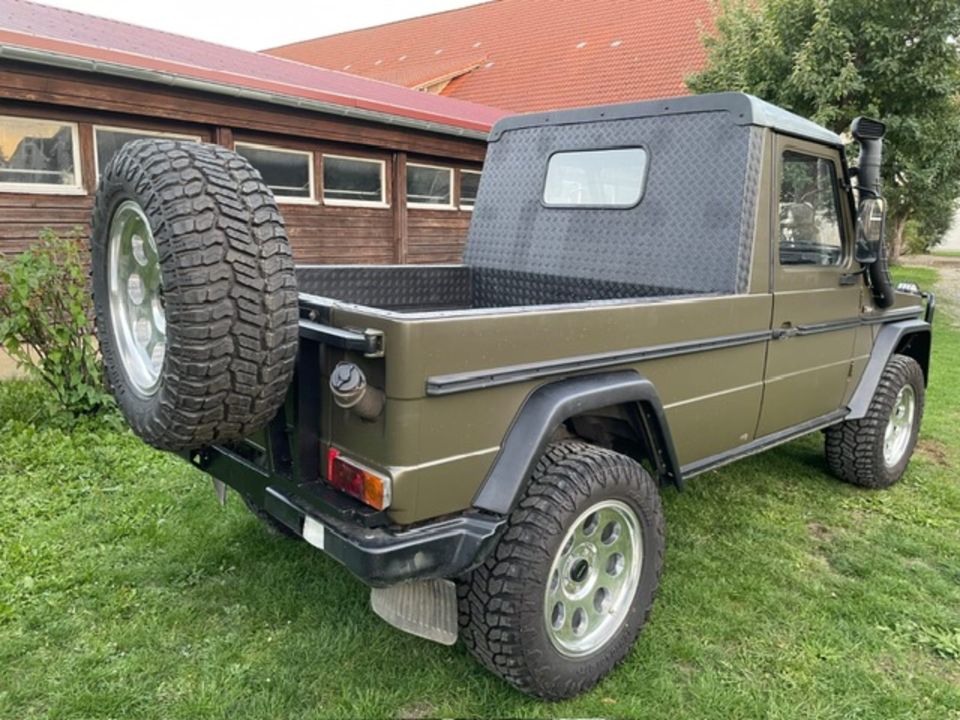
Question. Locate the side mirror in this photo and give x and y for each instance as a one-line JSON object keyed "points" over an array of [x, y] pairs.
{"points": [[870, 228]]}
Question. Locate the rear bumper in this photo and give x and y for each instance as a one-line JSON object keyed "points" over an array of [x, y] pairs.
{"points": [[378, 554]]}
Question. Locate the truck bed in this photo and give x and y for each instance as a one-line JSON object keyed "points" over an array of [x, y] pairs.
{"points": [[426, 288]]}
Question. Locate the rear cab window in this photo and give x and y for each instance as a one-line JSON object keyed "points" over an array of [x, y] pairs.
{"points": [[612, 178]]}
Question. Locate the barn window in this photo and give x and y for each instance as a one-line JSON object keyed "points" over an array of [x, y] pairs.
{"points": [[39, 156], [469, 183], [354, 181], [108, 140], [288, 173], [429, 186]]}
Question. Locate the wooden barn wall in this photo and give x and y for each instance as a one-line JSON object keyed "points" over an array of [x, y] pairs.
{"points": [[319, 233], [436, 236], [22, 217], [322, 234]]}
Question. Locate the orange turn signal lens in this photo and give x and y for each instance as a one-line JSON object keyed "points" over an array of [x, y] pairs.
{"points": [[357, 481]]}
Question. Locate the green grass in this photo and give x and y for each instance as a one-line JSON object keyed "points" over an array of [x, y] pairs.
{"points": [[125, 591]]}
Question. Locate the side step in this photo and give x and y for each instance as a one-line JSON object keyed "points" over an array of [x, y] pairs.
{"points": [[425, 608]]}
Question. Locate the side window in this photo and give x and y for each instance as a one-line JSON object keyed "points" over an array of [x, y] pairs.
{"points": [[429, 186], [809, 211], [354, 181], [109, 140], [469, 184], [288, 173], [39, 156]]}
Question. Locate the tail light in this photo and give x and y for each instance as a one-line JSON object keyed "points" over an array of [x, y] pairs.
{"points": [[357, 481]]}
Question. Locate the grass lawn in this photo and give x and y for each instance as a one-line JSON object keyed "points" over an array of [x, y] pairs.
{"points": [[125, 591]]}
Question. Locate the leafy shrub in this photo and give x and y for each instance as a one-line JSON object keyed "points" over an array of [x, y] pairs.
{"points": [[46, 320]]}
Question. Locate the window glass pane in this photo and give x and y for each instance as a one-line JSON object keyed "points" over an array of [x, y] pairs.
{"points": [[37, 152], [469, 183], [352, 179], [612, 178], [285, 172], [428, 185], [109, 141], [809, 211]]}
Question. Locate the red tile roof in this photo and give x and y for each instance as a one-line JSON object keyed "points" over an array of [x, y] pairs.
{"points": [[533, 54], [47, 33]]}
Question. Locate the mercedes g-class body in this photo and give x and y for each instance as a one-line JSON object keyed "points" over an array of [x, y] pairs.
{"points": [[648, 291]]}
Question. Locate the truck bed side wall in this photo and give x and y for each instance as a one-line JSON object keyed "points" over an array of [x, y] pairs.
{"points": [[435, 441]]}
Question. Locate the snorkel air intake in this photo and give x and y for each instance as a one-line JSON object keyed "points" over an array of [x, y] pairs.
{"points": [[869, 134]]}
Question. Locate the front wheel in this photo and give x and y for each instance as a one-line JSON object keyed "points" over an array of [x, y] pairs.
{"points": [[563, 596], [874, 451]]}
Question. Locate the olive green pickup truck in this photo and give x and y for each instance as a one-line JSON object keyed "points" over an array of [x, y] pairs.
{"points": [[648, 291]]}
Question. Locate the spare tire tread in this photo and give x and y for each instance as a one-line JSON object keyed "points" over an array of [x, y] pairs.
{"points": [[229, 291]]}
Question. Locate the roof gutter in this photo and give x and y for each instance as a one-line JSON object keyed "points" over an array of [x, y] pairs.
{"points": [[69, 62]]}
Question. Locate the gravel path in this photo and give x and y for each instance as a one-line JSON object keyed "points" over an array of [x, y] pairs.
{"points": [[948, 284]]}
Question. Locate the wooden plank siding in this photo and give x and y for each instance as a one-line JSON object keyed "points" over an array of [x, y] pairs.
{"points": [[22, 217], [436, 236], [319, 233]]}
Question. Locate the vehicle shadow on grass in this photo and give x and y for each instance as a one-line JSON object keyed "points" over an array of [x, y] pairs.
{"points": [[309, 641]]}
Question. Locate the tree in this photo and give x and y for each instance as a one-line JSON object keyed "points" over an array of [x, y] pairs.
{"points": [[832, 60]]}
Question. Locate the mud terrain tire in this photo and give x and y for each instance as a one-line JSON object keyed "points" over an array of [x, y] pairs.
{"points": [[199, 347], [504, 603], [855, 449]]}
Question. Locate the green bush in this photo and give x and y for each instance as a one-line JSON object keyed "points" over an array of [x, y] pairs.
{"points": [[46, 320]]}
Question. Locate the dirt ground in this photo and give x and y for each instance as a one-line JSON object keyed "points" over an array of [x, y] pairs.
{"points": [[948, 284], [8, 368]]}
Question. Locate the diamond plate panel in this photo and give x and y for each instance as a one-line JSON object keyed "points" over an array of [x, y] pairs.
{"points": [[689, 233], [391, 287]]}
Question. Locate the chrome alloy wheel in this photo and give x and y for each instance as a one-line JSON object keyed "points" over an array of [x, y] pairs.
{"points": [[136, 298], [896, 438], [593, 578]]}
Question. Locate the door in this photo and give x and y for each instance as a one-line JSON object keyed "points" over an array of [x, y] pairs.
{"points": [[816, 296]]}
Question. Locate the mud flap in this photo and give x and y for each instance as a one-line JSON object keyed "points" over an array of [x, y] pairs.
{"points": [[425, 608], [220, 490]]}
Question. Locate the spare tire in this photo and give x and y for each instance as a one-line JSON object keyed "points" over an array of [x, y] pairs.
{"points": [[194, 293]]}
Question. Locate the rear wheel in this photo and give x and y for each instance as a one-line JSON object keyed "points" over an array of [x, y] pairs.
{"points": [[564, 594], [194, 293], [875, 450]]}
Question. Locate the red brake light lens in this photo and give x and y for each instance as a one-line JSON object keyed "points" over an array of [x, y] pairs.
{"points": [[357, 481]]}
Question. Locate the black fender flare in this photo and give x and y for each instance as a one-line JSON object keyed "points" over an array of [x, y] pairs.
{"points": [[889, 340], [551, 404]]}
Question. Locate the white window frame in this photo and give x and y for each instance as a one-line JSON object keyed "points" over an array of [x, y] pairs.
{"points": [[50, 188], [468, 208], [288, 199], [133, 131], [338, 202], [432, 206]]}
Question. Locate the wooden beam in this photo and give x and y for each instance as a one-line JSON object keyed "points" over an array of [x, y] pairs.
{"points": [[223, 136], [88, 169], [401, 231]]}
